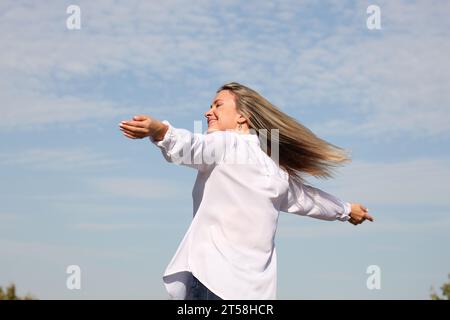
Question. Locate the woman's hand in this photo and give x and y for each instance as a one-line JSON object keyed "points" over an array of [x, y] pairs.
{"points": [[359, 214], [143, 126]]}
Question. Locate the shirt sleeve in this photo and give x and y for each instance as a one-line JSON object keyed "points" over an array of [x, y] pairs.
{"points": [[194, 150], [308, 201]]}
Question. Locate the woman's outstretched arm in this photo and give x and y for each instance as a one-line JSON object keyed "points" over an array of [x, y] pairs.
{"points": [[306, 200], [179, 145]]}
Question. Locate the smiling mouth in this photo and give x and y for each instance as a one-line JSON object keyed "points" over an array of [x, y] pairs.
{"points": [[211, 121]]}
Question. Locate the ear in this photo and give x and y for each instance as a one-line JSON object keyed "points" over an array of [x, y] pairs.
{"points": [[241, 119]]}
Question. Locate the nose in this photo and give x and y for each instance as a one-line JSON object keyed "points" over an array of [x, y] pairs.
{"points": [[208, 113]]}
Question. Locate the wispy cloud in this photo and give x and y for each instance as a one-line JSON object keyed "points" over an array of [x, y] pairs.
{"points": [[8, 218], [421, 181], [58, 159], [29, 111], [302, 63], [57, 253], [380, 226], [109, 226], [148, 188]]}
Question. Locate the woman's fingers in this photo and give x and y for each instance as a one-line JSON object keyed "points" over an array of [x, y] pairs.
{"points": [[139, 124], [133, 131], [361, 219], [129, 136], [127, 132], [133, 128], [366, 214], [353, 221], [141, 117], [137, 128]]}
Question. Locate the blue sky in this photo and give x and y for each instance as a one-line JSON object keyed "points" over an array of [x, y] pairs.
{"points": [[75, 191]]}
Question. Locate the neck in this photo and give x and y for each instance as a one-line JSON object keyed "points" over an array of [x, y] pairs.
{"points": [[244, 130]]}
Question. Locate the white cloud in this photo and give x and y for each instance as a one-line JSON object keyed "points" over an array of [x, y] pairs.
{"points": [[423, 181], [398, 85], [381, 225], [7, 218], [28, 107], [59, 159], [109, 226], [390, 83], [57, 253], [143, 188]]}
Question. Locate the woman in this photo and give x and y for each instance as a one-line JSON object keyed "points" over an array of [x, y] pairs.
{"points": [[245, 178]]}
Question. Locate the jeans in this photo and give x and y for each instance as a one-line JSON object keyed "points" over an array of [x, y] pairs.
{"points": [[198, 291]]}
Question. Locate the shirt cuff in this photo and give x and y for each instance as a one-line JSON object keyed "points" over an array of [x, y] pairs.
{"points": [[347, 210], [167, 139]]}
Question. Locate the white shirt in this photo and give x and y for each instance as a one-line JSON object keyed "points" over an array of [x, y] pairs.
{"points": [[230, 245]]}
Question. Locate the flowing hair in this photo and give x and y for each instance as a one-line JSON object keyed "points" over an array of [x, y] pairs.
{"points": [[300, 150]]}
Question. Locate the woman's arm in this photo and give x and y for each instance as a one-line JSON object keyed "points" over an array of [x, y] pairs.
{"points": [[306, 200], [178, 145]]}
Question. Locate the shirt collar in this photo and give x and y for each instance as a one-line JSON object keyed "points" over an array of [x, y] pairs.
{"points": [[249, 136], [246, 136]]}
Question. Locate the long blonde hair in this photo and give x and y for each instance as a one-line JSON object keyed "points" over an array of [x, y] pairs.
{"points": [[300, 150]]}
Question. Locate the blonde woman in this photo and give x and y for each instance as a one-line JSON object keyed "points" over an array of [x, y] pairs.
{"points": [[250, 167]]}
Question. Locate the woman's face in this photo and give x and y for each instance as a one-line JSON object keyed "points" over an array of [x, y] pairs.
{"points": [[222, 114]]}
